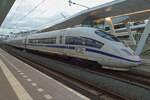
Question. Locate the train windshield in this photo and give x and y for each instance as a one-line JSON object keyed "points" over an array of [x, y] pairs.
{"points": [[106, 35]]}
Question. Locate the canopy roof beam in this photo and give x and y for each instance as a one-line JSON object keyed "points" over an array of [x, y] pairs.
{"points": [[130, 33], [108, 20], [143, 38]]}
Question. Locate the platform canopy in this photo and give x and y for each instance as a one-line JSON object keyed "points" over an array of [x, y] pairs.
{"points": [[135, 9], [5, 6]]}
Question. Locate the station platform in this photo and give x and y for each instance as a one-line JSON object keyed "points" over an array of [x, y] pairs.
{"points": [[19, 81]]}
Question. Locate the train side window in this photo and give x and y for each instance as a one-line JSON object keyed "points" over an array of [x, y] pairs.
{"points": [[32, 41], [83, 41], [60, 39], [91, 42], [51, 40], [73, 40]]}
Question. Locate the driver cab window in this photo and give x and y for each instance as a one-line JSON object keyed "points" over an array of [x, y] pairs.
{"points": [[107, 35]]}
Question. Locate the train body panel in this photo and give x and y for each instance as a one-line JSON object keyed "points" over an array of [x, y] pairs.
{"points": [[17, 42], [82, 42]]}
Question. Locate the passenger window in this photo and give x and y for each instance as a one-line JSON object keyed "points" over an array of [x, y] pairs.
{"points": [[73, 40], [32, 40], [51, 40], [91, 42], [83, 41]]}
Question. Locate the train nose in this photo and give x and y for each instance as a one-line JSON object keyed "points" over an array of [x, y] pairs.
{"points": [[126, 65], [137, 60], [133, 61], [131, 58]]}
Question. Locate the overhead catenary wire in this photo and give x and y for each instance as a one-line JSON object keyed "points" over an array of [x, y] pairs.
{"points": [[42, 12], [54, 20], [34, 9], [22, 28], [17, 7], [13, 14], [74, 3], [31, 10]]}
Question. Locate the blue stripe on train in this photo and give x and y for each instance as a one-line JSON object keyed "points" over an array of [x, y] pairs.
{"points": [[54, 46], [87, 49], [110, 55]]}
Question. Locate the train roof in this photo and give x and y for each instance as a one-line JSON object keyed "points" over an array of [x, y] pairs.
{"points": [[69, 30]]}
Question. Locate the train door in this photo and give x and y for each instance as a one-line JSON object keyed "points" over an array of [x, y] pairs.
{"points": [[75, 46], [24, 42], [61, 43], [80, 49]]}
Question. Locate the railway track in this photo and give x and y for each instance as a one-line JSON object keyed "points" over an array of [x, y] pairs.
{"points": [[101, 93], [125, 76]]}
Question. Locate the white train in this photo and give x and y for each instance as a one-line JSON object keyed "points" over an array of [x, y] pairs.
{"points": [[82, 42]]}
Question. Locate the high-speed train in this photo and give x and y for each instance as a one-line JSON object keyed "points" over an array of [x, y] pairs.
{"points": [[84, 43]]}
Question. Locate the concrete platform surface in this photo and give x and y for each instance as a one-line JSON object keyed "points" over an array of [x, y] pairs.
{"points": [[19, 81]]}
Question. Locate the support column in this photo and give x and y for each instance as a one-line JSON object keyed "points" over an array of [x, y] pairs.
{"points": [[108, 20], [130, 33], [143, 38]]}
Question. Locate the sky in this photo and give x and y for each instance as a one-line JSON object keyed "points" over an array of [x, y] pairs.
{"points": [[36, 14]]}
